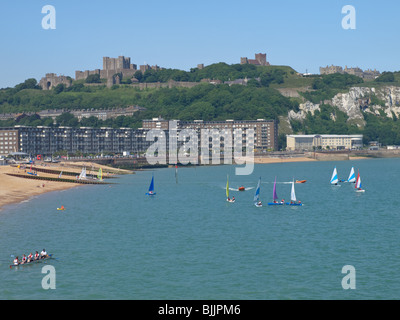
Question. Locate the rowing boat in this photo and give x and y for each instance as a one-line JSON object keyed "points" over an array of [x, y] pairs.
{"points": [[49, 256]]}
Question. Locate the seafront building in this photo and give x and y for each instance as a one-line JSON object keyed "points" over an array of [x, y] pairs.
{"points": [[312, 142], [48, 140], [9, 141], [265, 131]]}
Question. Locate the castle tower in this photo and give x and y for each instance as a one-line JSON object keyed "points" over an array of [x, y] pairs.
{"points": [[244, 60], [261, 58]]}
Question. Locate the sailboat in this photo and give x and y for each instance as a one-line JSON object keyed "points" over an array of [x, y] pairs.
{"points": [[352, 176], [257, 201], [151, 188], [334, 178], [31, 172], [82, 175], [358, 183], [227, 191], [293, 200], [275, 198]]}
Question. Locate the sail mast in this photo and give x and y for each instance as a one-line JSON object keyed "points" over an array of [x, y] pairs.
{"points": [[227, 186]]}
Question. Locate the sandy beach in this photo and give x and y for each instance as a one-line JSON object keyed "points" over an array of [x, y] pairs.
{"points": [[281, 160], [17, 189]]}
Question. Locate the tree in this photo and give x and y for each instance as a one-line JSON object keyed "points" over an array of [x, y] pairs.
{"points": [[386, 77], [65, 119], [30, 83], [138, 75], [93, 78], [59, 88]]}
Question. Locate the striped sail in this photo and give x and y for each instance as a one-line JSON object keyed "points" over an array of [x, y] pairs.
{"points": [[334, 179], [358, 182], [352, 176], [257, 193]]}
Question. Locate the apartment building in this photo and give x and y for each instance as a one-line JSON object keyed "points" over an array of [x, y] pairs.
{"points": [[8, 141], [48, 140], [265, 131]]}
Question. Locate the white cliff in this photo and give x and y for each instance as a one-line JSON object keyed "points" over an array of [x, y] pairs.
{"points": [[357, 101]]}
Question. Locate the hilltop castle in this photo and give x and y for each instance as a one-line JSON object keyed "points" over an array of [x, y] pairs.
{"points": [[367, 74], [260, 60], [111, 67]]}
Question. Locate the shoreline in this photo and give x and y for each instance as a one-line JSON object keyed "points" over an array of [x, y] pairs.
{"points": [[266, 160], [18, 189]]}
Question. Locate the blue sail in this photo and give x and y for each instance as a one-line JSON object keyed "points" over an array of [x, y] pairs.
{"points": [[151, 188], [257, 193]]}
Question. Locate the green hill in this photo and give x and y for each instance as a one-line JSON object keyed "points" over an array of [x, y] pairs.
{"points": [[260, 98]]}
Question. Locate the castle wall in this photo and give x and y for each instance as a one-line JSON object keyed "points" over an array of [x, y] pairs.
{"points": [[51, 80]]}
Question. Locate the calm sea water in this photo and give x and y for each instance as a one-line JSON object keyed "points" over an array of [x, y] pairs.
{"points": [[187, 242]]}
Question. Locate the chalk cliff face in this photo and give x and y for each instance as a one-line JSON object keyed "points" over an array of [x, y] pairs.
{"points": [[304, 109], [357, 101]]}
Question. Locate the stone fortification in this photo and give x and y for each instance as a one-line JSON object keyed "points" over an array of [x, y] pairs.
{"points": [[367, 74], [51, 80]]}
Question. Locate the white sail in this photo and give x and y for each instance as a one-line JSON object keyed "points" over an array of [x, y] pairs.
{"points": [[293, 194], [83, 174]]}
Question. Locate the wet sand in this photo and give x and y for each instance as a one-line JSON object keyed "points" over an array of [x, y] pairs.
{"points": [[17, 189]]}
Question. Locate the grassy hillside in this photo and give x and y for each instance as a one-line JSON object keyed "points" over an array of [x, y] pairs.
{"points": [[259, 99]]}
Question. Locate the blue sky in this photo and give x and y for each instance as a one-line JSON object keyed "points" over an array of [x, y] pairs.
{"points": [[179, 34]]}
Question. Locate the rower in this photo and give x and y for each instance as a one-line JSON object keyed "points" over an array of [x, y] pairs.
{"points": [[30, 257], [16, 261], [23, 260], [36, 257], [43, 254]]}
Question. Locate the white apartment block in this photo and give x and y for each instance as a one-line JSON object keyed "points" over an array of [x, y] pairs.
{"points": [[312, 142]]}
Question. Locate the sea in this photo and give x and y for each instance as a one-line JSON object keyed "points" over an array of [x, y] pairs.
{"points": [[187, 242]]}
